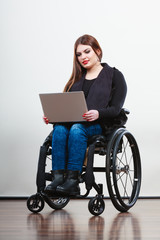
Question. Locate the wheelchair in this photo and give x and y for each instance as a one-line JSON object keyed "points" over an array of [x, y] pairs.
{"points": [[122, 170]]}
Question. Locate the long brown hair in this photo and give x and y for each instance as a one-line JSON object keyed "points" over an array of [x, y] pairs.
{"points": [[78, 70]]}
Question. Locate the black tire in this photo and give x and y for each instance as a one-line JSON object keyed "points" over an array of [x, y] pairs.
{"points": [[56, 202], [60, 203], [35, 203], [96, 206], [123, 168]]}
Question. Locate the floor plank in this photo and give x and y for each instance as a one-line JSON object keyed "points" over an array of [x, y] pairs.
{"points": [[75, 222]]}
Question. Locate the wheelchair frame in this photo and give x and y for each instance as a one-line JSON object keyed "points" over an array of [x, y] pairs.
{"points": [[122, 168]]}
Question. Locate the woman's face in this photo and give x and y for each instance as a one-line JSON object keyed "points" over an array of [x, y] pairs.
{"points": [[86, 56]]}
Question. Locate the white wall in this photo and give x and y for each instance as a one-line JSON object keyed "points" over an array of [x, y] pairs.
{"points": [[36, 51]]}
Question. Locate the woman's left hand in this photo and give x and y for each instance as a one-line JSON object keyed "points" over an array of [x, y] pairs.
{"points": [[91, 115]]}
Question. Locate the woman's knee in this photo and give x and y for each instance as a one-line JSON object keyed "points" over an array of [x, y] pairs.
{"points": [[77, 132], [60, 131], [77, 128]]}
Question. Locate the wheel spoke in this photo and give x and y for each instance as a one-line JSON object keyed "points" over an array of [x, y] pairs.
{"points": [[123, 185], [124, 151], [131, 180], [124, 154], [120, 161], [125, 147]]}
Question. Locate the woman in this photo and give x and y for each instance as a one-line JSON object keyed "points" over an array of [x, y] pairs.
{"points": [[105, 91]]}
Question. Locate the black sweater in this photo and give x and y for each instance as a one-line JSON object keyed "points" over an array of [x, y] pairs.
{"points": [[118, 93], [106, 94], [117, 97]]}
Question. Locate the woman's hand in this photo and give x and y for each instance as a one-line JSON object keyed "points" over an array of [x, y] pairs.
{"points": [[45, 119], [91, 115]]}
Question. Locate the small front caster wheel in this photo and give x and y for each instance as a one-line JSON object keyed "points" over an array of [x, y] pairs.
{"points": [[35, 203], [96, 206]]}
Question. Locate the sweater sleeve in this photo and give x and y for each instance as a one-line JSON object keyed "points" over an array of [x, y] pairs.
{"points": [[118, 95]]}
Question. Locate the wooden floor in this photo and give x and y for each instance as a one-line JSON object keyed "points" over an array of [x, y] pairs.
{"points": [[75, 222]]}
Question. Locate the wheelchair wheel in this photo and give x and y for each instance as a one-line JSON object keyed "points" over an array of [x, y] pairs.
{"points": [[123, 167], [96, 205], [35, 203], [56, 202]]}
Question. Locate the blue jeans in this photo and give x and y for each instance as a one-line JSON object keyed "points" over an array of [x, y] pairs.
{"points": [[69, 144]]}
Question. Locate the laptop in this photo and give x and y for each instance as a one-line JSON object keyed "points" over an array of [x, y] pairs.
{"points": [[64, 107]]}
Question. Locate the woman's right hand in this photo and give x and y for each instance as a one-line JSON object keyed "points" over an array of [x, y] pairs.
{"points": [[45, 120]]}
